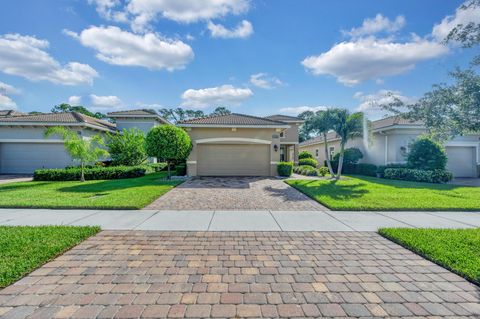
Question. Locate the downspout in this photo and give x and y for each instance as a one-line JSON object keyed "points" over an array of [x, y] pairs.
{"points": [[386, 149]]}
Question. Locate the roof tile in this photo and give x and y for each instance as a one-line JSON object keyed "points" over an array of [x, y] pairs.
{"points": [[233, 119]]}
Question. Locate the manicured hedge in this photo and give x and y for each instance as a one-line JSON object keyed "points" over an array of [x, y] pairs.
{"points": [[96, 173], [304, 154], [381, 168], [285, 168], [157, 167], [181, 169], [308, 161], [305, 170], [416, 175], [357, 169]]}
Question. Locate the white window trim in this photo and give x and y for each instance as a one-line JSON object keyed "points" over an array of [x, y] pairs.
{"points": [[233, 139]]}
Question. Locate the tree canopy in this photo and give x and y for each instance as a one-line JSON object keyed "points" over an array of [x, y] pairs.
{"points": [[65, 107]]}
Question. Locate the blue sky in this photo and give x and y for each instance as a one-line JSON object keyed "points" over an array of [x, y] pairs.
{"points": [[254, 57]]}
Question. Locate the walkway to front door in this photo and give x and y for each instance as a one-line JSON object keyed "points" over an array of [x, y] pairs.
{"points": [[235, 193]]}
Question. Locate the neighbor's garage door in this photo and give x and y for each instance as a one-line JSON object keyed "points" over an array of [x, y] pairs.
{"points": [[461, 161], [24, 158], [233, 160]]}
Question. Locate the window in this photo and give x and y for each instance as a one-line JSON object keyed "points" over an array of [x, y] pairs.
{"points": [[282, 134], [316, 152], [282, 154], [331, 152]]}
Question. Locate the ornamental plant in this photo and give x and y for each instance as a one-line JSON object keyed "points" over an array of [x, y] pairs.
{"points": [[426, 154]]}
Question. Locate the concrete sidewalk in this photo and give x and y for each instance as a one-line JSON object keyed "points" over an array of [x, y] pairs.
{"points": [[239, 220]]}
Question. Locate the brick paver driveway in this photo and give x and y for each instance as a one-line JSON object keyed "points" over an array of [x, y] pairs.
{"points": [[247, 274], [235, 193]]}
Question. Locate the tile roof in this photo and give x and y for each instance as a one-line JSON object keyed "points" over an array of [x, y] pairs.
{"points": [[60, 118], [8, 113], [146, 112], [284, 118], [376, 125], [232, 119]]}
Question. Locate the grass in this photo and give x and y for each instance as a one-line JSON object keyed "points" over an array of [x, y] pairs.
{"points": [[371, 193], [455, 249], [23, 249], [130, 193]]}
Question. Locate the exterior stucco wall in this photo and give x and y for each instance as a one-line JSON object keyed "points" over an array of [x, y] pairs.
{"points": [[142, 124], [266, 134], [290, 135]]}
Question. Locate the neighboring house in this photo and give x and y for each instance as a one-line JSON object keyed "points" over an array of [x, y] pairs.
{"points": [[10, 113], [23, 147], [389, 142], [240, 145], [143, 119]]}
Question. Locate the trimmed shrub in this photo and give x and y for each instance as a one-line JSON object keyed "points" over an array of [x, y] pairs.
{"points": [[181, 169], [285, 168], [95, 173], [350, 156], [305, 170], [416, 175], [322, 171], [357, 169], [381, 168], [308, 161], [304, 154], [157, 167], [427, 155]]}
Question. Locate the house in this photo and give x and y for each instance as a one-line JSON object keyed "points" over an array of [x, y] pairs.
{"points": [[240, 145], [233, 144], [389, 141]]}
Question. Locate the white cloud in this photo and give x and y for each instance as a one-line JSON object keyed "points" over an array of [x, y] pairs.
{"points": [[264, 81], [185, 11], [106, 9], [107, 102], [242, 30], [462, 16], [300, 109], [215, 96], [118, 47], [6, 103], [74, 100], [377, 25], [149, 105], [370, 103], [8, 89], [365, 59], [25, 56]]}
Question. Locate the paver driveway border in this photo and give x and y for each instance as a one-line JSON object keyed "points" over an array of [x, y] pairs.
{"points": [[238, 220], [131, 274]]}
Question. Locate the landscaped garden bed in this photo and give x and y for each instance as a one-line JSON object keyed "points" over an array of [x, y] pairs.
{"points": [[371, 193], [455, 249], [131, 193], [23, 249]]}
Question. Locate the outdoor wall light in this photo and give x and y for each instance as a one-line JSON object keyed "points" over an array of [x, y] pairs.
{"points": [[275, 147]]}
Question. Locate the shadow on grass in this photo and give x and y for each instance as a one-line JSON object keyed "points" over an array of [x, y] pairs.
{"points": [[333, 189], [21, 185]]}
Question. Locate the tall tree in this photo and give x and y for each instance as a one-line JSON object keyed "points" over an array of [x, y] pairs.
{"points": [[454, 109], [84, 150], [65, 107], [178, 114], [347, 126], [321, 123], [305, 132], [220, 111], [127, 147]]}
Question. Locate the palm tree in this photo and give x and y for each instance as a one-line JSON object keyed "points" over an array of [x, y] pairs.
{"points": [[85, 150], [322, 123], [347, 126]]}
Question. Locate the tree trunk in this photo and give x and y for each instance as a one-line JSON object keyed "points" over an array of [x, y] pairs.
{"points": [[168, 169], [327, 157], [340, 161], [82, 174]]}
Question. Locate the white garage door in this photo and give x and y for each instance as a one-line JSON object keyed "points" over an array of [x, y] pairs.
{"points": [[233, 160], [461, 161], [24, 158]]}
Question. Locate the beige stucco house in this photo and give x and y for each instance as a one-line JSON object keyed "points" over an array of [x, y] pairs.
{"points": [[241, 145], [389, 141]]}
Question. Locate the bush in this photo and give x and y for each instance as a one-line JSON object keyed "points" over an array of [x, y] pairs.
{"points": [[357, 169], [381, 168], [95, 173], [417, 175], [157, 167], [426, 154], [308, 161], [304, 154], [285, 168], [127, 147], [181, 169], [322, 171], [305, 170], [350, 156]]}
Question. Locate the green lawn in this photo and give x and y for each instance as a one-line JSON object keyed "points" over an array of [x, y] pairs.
{"points": [[370, 193], [130, 193], [454, 249], [22, 249]]}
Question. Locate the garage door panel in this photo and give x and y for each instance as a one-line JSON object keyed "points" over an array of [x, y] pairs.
{"points": [[24, 158], [461, 161], [233, 160]]}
